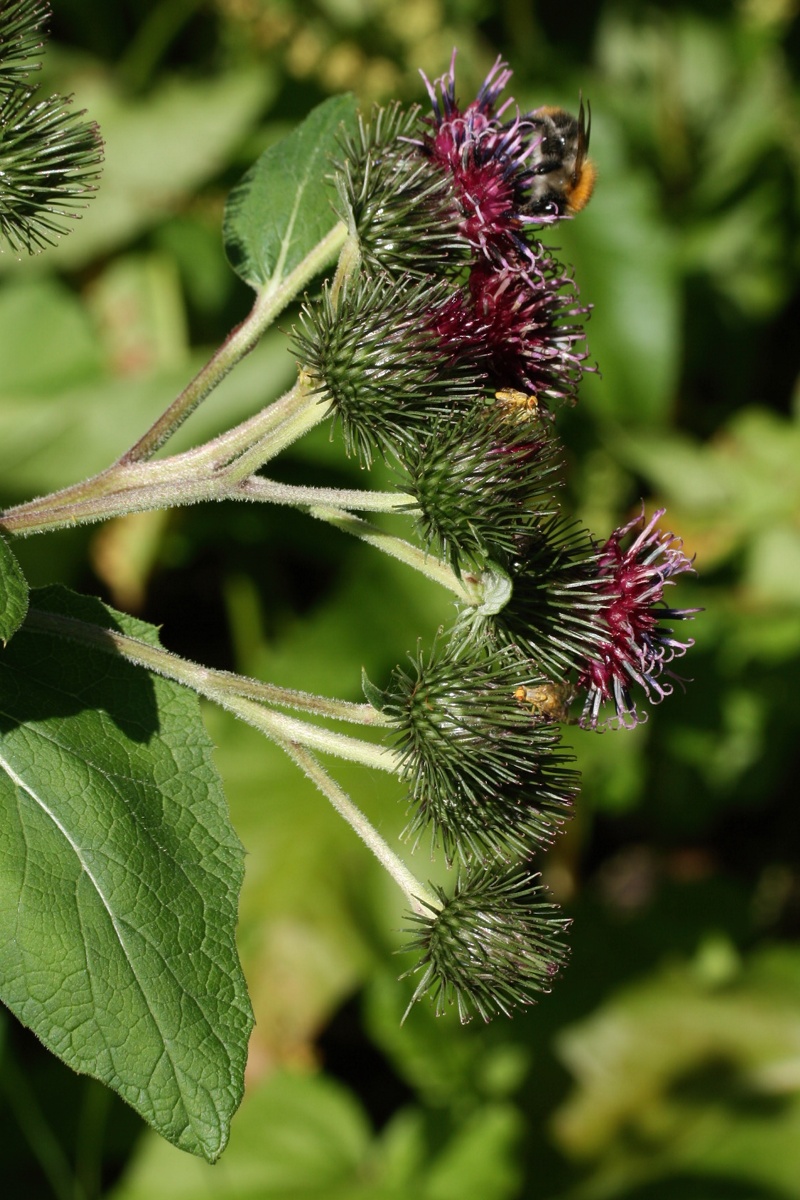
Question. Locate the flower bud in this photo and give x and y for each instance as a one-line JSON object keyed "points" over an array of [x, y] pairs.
{"points": [[485, 775], [491, 947]]}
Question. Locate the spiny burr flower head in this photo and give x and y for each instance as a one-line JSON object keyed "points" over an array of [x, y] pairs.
{"points": [[550, 619], [375, 353], [481, 483], [507, 175], [444, 203], [21, 32], [636, 647], [521, 327], [530, 330], [50, 157], [524, 301], [403, 214], [484, 158], [491, 947], [485, 779]]}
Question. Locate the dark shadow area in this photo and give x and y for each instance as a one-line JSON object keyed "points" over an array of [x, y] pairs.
{"points": [[701, 1187], [45, 675], [349, 1056], [47, 1112], [720, 1081]]}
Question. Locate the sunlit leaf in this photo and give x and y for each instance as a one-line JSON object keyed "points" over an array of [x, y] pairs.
{"points": [[120, 876], [284, 205]]}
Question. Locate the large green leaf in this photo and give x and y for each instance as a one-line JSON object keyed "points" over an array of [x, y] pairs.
{"points": [[13, 594], [283, 206], [119, 878]]}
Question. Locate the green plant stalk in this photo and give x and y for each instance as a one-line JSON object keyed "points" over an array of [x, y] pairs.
{"points": [[270, 301], [257, 487], [182, 479], [349, 262], [217, 470], [161, 485], [468, 588], [222, 449], [294, 737], [214, 454], [221, 687], [177, 481], [422, 900], [272, 443], [321, 706]]}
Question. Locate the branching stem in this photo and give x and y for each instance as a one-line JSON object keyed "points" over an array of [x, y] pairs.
{"points": [[271, 299], [245, 698], [253, 442], [421, 899]]}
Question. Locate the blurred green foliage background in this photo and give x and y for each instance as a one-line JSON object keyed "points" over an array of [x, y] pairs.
{"points": [[666, 1063]]}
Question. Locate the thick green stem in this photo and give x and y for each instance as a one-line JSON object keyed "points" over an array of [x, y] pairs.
{"points": [[245, 698], [221, 450], [421, 899], [273, 442], [270, 492], [211, 473], [467, 588], [270, 301]]}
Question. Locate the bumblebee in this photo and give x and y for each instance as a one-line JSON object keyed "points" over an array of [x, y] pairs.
{"points": [[562, 177]]}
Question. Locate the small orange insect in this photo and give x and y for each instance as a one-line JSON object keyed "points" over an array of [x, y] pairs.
{"points": [[513, 400], [548, 701]]}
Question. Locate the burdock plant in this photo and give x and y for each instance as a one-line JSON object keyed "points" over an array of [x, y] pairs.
{"points": [[442, 344]]}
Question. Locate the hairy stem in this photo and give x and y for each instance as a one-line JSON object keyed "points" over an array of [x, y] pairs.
{"points": [[121, 475], [245, 698], [421, 899], [413, 556], [270, 492], [211, 473], [270, 301]]}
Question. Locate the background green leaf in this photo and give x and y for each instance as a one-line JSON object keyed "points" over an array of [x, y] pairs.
{"points": [[120, 879], [284, 205], [691, 1066], [159, 149], [302, 1136]]}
